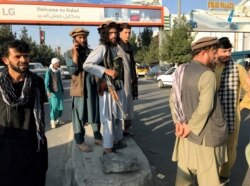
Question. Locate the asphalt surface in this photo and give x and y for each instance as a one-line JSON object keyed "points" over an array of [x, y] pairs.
{"points": [[154, 133]]}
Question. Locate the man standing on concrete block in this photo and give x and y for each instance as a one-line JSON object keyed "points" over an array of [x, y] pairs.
{"points": [[107, 62], [85, 105], [200, 127], [131, 93]]}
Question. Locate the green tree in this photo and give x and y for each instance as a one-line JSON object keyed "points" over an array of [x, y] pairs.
{"points": [[39, 53], [176, 47], [140, 55], [5, 36], [132, 41], [152, 54], [146, 36]]}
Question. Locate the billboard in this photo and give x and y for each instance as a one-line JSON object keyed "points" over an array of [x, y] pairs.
{"points": [[219, 21], [75, 14], [116, 2]]}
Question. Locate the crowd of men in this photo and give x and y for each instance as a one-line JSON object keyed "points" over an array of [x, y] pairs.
{"points": [[205, 105]]}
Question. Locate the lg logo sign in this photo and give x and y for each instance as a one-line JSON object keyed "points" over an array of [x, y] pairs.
{"points": [[8, 11]]}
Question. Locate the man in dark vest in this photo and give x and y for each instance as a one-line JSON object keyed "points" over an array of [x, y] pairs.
{"points": [[85, 106], [132, 93], [23, 145], [201, 130]]}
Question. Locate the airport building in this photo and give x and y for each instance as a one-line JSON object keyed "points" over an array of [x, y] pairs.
{"points": [[223, 19]]}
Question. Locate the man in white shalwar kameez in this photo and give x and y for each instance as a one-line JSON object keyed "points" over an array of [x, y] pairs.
{"points": [[106, 60]]}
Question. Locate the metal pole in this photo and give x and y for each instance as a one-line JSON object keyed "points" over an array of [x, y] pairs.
{"points": [[179, 11]]}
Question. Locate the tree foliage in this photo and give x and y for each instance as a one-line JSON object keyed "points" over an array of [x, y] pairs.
{"points": [[176, 47], [152, 54], [5, 35], [39, 53], [147, 50], [146, 36]]}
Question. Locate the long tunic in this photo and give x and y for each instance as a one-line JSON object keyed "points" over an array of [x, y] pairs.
{"points": [[233, 137], [90, 104], [56, 96], [187, 151], [92, 65]]}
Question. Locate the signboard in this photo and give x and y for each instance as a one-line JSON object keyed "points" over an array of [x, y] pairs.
{"points": [[220, 5], [116, 2], [219, 21], [79, 14]]}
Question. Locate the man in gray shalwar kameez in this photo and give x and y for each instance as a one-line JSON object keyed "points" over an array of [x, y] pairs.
{"points": [[85, 105]]}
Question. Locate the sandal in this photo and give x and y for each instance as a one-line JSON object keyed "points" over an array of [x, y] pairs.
{"points": [[105, 152], [98, 142], [84, 147]]}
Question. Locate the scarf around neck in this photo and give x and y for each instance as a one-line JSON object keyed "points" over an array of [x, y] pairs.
{"points": [[11, 99], [177, 93], [126, 47], [228, 92]]}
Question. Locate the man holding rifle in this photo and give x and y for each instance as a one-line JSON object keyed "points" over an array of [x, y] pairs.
{"points": [[107, 62]]}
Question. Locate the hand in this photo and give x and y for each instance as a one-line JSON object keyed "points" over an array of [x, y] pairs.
{"points": [[75, 53], [103, 87], [186, 130], [111, 73], [48, 94], [179, 129]]}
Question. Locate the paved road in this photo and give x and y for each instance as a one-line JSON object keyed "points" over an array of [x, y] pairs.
{"points": [[154, 134]]}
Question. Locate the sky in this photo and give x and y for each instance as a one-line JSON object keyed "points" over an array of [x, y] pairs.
{"points": [[59, 35]]}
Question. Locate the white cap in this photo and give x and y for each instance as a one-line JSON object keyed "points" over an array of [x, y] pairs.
{"points": [[54, 61]]}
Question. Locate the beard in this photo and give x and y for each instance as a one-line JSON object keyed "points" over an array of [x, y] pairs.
{"points": [[224, 59], [113, 42], [19, 69], [82, 46], [211, 65]]}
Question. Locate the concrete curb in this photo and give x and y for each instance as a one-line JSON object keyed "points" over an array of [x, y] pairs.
{"points": [[85, 169]]}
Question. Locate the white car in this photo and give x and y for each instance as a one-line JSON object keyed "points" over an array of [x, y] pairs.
{"points": [[166, 79], [38, 68], [64, 72]]}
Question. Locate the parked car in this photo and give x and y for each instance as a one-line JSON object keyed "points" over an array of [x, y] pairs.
{"points": [[166, 79], [37, 68], [151, 74], [142, 70], [157, 70], [64, 72], [1, 68]]}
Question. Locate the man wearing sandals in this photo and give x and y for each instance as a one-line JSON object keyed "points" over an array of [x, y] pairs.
{"points": [[107, 60], [85, 105]]}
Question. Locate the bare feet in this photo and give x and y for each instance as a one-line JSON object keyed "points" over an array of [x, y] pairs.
{"points": [[106, 151], [98, 142], [84, 147]]}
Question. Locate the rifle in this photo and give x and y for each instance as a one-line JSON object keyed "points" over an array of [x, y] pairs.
{"points": [[114, 95]]}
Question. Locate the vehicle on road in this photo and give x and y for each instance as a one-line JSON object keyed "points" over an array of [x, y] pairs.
{"points": [[65, 72], [38, 68], [166, 79], [142, 70], [155, 71]]}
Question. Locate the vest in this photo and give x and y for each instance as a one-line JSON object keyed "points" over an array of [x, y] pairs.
{"points": [[77, 87], [111, 61], [215, 130]]}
